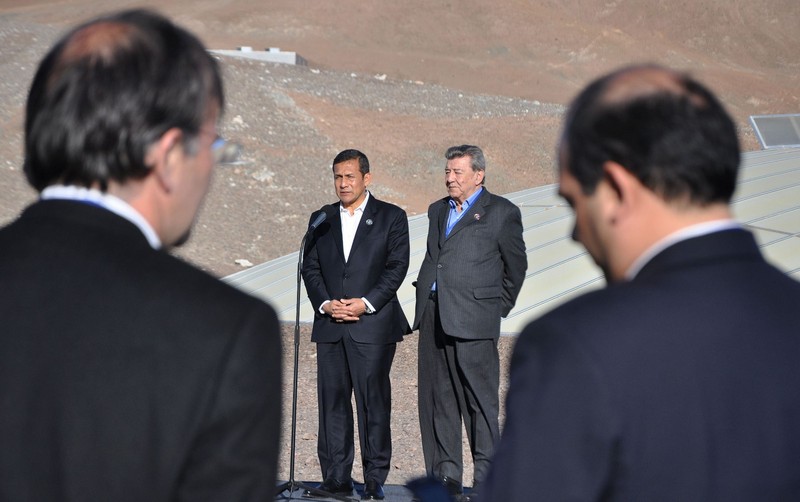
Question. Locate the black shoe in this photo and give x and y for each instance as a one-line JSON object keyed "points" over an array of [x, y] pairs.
{"points": [[473, 494], [372, 490], [436, 488], [454, 487], [332, 486]]}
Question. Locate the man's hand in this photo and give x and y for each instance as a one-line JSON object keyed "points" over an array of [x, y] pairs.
{"points": [[345, 310]]}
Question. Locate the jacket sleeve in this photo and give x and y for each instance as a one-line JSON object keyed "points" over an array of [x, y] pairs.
{"points": [[515, 259]]}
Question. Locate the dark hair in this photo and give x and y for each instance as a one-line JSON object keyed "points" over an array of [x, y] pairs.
{"points": [[110, 88], [345, 155], [475, 154], [669, 132]]}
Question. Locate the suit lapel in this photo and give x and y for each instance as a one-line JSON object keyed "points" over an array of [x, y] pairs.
{"points": [[364, 226], [444, 210], [336, 230], [473, 214]]}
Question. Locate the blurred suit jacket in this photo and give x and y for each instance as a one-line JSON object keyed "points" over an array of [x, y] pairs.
{"points": [[127, 374], [682, 384]]}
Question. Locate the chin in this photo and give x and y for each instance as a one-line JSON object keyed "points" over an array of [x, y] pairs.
{"points": [[183, 239]]}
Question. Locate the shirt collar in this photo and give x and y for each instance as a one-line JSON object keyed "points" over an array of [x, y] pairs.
{"points": [[104, 200], [681, 235], [467, 203], [359, 208]]}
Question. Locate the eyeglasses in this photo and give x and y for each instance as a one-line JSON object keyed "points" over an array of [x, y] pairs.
{"points": [[225, 152]]}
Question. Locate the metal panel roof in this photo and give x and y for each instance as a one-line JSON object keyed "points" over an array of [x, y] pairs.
{"points": [[767, 201], [777, 131]]}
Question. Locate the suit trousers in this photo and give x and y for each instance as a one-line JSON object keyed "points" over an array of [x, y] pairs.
{"points": [[344, 368], [458, 379]]}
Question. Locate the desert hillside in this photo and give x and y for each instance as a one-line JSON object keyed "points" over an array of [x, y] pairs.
{"points": [[402, 81]]}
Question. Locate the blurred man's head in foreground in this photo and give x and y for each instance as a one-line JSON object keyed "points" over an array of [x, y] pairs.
{"points": [[645, 150], [127, 104]]}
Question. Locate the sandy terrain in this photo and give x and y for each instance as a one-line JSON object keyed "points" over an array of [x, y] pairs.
{"points": [[402, 81]]}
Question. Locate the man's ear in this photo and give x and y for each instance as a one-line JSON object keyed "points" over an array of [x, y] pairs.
{"points": [[623, 186], [621, 181], [164, 156], [481, 175]]}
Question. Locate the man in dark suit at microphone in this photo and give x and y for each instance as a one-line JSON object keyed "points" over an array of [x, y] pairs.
{"points": [[356, 258]]}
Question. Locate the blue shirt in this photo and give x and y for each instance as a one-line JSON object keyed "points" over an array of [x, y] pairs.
{"points": [[454, 215]]}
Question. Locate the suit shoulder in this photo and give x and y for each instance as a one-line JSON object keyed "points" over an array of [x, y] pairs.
{"points": [[500, 200], [589, 312], [329, 209], [438, 204], [185, 282], [382, 205]]}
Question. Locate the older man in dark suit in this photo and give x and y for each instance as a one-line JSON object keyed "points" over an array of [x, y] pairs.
{"points": [[680, 380], [473, 270], [127, 374], [355, 262]]}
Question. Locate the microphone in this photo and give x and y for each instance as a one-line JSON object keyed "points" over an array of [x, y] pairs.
{"points": [[317, 221]]}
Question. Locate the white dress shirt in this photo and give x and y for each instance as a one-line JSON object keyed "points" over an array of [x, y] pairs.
{"points": [[350, 225], [106, 201]]}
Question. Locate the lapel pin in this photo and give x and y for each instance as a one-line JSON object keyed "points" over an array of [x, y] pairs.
{"points": [[368, 222], [477, 217]]}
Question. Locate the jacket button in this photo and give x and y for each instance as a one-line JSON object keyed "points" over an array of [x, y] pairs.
{"points": [[439, 266]]}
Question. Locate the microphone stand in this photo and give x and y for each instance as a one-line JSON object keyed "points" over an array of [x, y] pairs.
{"points": [[291, 486]]}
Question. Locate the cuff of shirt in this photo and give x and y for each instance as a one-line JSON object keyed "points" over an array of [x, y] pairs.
{"points": [[369, 308]]}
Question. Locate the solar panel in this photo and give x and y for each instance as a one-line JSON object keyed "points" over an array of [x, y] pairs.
{"points": [[777, 131]]}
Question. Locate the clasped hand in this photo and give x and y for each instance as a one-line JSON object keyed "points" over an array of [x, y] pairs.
{"points": [[347, 309]]}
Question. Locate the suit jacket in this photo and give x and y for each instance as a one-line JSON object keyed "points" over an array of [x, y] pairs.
{"points": [[683, 384], [479, 268], [125, 373], [376, 268]]}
